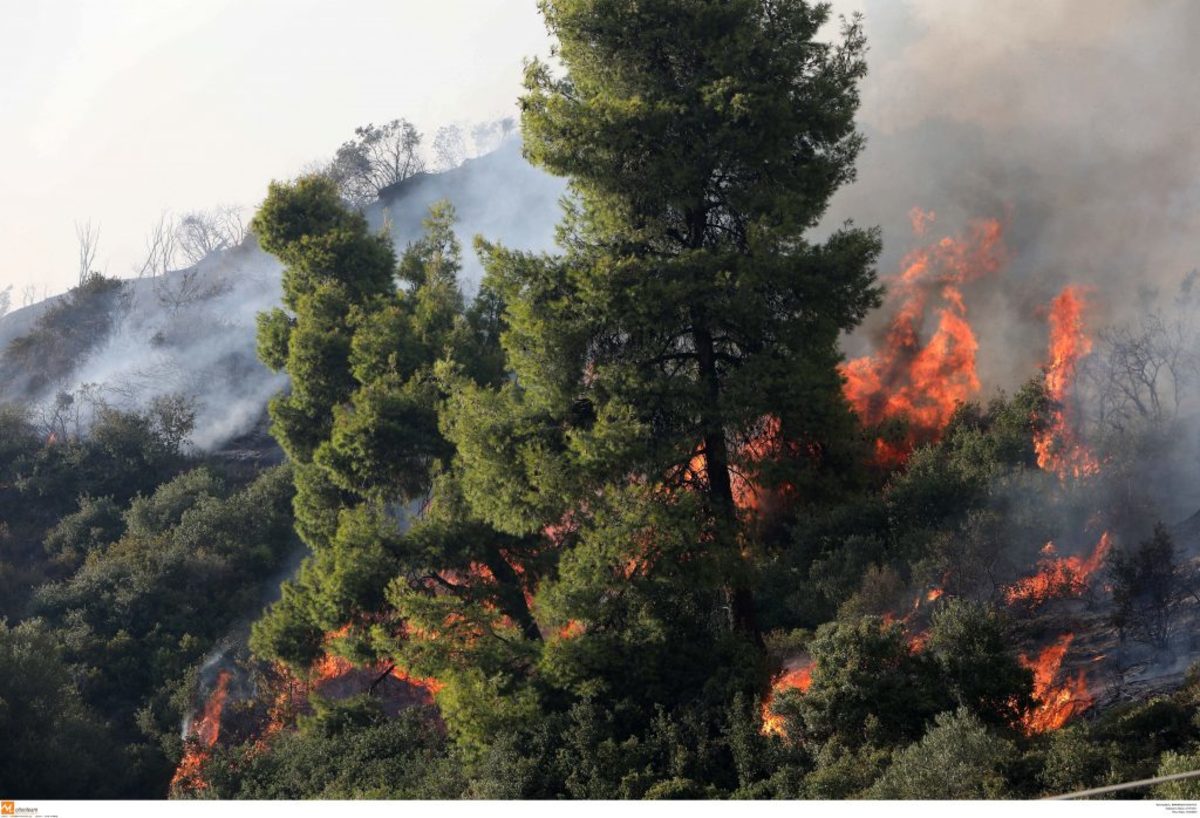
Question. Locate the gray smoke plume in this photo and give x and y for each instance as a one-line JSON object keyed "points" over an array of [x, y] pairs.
{"points": [[499, 196], [1072, 122], [1069, 119]]}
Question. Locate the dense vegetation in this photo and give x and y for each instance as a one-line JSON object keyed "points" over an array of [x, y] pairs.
{"points": [[601, 503], [124, 561]]}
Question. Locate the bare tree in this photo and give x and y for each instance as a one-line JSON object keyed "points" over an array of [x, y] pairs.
{"points": [[174, 248], [376, 158], [204, 232], [1147, 588], [189, 286], [488, 136], [162, 249], [89, 241], [1142, 373], [449, 147]]}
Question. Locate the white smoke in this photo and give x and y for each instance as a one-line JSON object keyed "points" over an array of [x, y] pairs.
{"points": [[191, 333]]}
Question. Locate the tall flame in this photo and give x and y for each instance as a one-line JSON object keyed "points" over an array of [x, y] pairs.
{"points": [[203, 735], [1057, 701], [1058, 447], [926, 381]]}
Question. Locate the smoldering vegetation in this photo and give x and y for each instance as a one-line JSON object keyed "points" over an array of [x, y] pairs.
{"points": [[190, 332]]}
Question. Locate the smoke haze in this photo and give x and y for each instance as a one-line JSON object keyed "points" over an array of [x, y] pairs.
{"points": [[1068, 119]]}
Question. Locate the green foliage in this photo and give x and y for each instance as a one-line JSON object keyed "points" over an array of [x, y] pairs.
{"points": [[1074, 761], [868, 687], [49, 524], [572, 565], [97, 523], [60, 339], [143, 608], [843, 773], [346, 750], [1146, 588], [957, 759], [1172, 763], [688, 304], [971, 647], [55, 745], [274, 334]]}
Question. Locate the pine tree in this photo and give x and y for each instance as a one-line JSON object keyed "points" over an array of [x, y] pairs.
{"points": [[687, 337]]}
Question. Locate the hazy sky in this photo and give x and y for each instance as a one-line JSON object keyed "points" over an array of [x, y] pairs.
{"points": [[116, 110], [1075, 112]]}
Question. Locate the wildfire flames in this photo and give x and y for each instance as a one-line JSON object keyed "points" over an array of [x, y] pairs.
{"points": [[331, 668], [331, 675], [203, 735], [1058, 577], [799, 678], [924, 382], [1058, 447], [1057, 701]]}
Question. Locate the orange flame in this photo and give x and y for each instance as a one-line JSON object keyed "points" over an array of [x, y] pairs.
{"points": [[572, 629], [925, 383], [764, 440], [431, 685], [203, 736], [1058, 577], [1057, 701], [1058, 447], [798, 678]]}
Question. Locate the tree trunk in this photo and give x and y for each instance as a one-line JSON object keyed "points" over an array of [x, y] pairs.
{"points": [[512, 596], [716, 463]]}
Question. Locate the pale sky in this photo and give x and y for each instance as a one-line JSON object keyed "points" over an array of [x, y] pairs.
{"points": [[118, 110]]}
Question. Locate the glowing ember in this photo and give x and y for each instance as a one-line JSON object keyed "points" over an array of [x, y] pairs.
{"points": [[799, 678], [572, 629], [934, 595], [1058, 447], [331, 667], [203, 736], [1058, 577], [428, 684], [1057, 701], [925, 382]]}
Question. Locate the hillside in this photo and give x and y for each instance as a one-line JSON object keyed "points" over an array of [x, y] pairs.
{"points": [[191, 332]]}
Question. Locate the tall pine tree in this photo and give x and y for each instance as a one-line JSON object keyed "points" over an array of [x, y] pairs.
{"points": [[687, 337]]}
